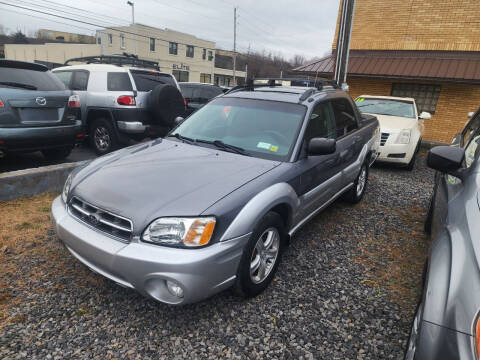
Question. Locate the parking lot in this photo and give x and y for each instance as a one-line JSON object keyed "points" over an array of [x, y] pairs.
{"points": [[346, 289]]}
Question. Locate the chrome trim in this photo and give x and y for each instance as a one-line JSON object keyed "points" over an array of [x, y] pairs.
{"points": [[320, 208], [101, 220], [131, 126]]}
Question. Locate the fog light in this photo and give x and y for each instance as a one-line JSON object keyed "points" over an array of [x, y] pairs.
{"points": [[174, 289]]}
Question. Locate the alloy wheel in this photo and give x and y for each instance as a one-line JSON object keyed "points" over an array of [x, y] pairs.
{"points": [[412, 341], [265, 254], [362, 179], [102, 138]]}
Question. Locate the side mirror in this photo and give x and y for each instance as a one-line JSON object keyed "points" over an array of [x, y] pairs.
{"points": [[321, 146], [178, 120], [447, 159], [425, 115]]}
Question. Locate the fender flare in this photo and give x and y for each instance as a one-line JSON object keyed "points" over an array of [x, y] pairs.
{"points": [[258, 206]]}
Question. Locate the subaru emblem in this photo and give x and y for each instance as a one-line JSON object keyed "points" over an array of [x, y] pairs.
{"points": [[41, 101], [94, 219]]}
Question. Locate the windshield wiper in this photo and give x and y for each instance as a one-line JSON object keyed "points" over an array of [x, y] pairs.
{"points": [[18, 85], [182, 138], [220, 144]]}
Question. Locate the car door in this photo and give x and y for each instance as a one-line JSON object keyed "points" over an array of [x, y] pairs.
{"points": [[349, 143], [319, 174]]}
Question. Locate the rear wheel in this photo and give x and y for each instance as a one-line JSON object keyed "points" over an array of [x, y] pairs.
{"points": [[57, 153], [103, 138], [355, 194], [261, 256]]}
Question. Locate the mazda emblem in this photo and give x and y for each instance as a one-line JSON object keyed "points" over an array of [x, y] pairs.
{"points": [[41, 101]]}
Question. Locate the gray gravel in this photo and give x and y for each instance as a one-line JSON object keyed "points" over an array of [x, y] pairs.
{"points": [[318, 307]]}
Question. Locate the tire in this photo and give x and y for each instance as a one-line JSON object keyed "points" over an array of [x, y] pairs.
{"points": [[102, 135], [57, 153], [414, 333], [166, 103], [250, 282], [355, 194], [411, 165], [427, 227]]}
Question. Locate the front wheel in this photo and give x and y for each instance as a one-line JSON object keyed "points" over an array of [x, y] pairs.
{"points": [[261, 256], [355, 194]]}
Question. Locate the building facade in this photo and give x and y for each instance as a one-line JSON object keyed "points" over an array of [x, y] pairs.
{"points": [[428, 49], [46, 34], [185, 56]]}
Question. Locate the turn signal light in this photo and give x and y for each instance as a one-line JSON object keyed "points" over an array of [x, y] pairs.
{"points": [[128, 100], [477, 337], [1, 103], [74, 101]]}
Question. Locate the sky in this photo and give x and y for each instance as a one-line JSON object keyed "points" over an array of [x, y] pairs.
{"points": [[287, 27]]}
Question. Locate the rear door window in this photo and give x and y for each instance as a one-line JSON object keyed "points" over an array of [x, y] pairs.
{"points": [[118, 81], [64, 76], [147, 80], [344, 117], [29, 79], [80, 80]]}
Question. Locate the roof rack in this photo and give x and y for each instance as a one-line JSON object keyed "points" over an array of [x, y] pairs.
{"points": [[119, 60], [250, 84]]}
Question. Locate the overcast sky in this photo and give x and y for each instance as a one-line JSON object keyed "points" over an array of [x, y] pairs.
{"points": [[304, 27]]}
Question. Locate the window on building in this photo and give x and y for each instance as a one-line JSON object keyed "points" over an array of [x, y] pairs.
{"points": [[426, 96], [99, 40], [204, 54], [152, 44], [110, 39], [118, 81], [210, 55], [205, 78], [190, 51], [172, 48], [122, 41], [181, 76]]}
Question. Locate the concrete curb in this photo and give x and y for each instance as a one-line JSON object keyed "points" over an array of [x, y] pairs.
{"points": [[16, 184]]}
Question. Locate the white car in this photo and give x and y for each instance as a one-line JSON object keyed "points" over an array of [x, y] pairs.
{"points": [[400, 125]]}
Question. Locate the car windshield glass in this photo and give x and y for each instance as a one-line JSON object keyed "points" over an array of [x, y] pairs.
{"points": [[147, 80], [386, 107], [29, 79], [265, 129]]}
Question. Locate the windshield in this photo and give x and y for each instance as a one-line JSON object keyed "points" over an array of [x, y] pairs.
{"points": [[147, 80], [386, 107], [265, 129]]}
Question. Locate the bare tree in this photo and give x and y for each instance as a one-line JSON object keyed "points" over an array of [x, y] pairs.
{"points": [[298, 60]]}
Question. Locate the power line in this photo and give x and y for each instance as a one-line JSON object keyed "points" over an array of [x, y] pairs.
{"points": [[100, 26]]}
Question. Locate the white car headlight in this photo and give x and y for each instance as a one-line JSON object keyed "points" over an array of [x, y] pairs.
{"points": [[178, 231], [404, 136], [66, 188]]}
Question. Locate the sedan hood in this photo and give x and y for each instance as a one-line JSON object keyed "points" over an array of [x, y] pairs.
{"points": [[164, 178], [395, 123]]}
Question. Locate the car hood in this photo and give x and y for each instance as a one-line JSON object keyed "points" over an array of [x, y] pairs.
{"points": [[164, 178], [395, 123]]}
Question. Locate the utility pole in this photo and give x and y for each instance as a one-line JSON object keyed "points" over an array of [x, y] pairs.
{"points": [[234, 44], [132, 4], [343, 43]]}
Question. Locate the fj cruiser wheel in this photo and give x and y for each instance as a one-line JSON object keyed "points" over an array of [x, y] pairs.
{"points": [[102, 136], [261, 256], [165, 103], [57, 153], [355, 194]]}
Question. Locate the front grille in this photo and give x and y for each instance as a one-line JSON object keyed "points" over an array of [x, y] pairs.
{"points": [[384, 138], [114, 225]]}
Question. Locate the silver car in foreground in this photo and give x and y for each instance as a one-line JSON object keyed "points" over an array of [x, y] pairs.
{"points": [[213, 204]]}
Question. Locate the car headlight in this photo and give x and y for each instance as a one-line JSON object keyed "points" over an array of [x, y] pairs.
{"points": [[404, 136], [66, 188], [179, 231]]}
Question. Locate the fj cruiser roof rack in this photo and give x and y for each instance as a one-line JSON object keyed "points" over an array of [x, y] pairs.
{"points": [[250, 84], [119, 60]]}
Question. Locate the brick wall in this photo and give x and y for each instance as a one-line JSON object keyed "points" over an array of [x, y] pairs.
{"points": [[454, 103], [415, 25]]}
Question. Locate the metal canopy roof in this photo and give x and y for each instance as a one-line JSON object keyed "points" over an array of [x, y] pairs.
{"points": [[449, 66]]}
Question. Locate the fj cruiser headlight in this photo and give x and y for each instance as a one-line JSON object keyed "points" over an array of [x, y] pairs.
{"points": [[66, 188], [176, 231], [404, 136]]}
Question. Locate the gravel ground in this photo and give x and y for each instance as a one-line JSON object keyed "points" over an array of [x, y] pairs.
{"points": [[346, 289]]}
